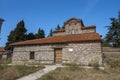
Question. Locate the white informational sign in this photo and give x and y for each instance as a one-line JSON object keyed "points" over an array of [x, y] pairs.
{"points": [[70, 49]]}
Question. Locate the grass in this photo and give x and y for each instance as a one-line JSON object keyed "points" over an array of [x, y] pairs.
{"points": [[14, 72], [72, 66], [5, 61], [94, 64], [113, 63], [72, 72], [75, 72], [67, 73]]}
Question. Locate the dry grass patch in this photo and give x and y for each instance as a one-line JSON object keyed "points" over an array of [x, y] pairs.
{"points": [[14, 72], [79, 73], [5, 61]]}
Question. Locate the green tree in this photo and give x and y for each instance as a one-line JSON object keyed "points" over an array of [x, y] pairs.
{"points": [[18, 34], [50, 34], [58, 27], [113, 35], [30, 36], [40, 34], [63, 27]]}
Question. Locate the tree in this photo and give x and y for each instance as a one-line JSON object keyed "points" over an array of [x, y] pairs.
{"points": [[50, 34], [18, 34], [58, 27], [30, 36], [63, 27], [40, 34], [113, 35]]}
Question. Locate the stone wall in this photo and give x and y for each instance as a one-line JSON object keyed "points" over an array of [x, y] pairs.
{"points": [[43, 54], [83, 53], [88, 30], [74, 29], [59, 34], [80, 53]]}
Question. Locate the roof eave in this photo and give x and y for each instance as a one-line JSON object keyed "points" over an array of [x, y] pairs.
{"points": [[80, 41]]}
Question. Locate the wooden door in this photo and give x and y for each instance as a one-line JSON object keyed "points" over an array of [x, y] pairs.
{"points": [[58, 55]]}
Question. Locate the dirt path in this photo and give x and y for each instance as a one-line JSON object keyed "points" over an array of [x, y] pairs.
{"points": [[39, 73]]}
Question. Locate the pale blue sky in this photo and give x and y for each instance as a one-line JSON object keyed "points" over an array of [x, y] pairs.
{"points": [[46, 14]]}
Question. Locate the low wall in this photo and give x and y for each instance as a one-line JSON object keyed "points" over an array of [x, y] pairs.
{"points": [[111, 53], [110, 49]]}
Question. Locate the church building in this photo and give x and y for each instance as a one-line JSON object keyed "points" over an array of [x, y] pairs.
{"points": [[75, 44]]}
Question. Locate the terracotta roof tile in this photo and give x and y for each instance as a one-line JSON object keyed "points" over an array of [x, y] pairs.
{"points": [[61, 39]]}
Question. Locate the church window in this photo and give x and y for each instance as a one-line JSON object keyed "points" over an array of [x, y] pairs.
{"points": [[32, 55]]}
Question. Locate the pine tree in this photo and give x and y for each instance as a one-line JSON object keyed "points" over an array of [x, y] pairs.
{"points": [[30, 36], [18, 34], [58, 27], [40, 34], [50, 34], [63, 27], [20, 31], [113, 35]]}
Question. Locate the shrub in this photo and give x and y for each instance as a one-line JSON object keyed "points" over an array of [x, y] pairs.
{"points": [[95, 65], [113, 63]]}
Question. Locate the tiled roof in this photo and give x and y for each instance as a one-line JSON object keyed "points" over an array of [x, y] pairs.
{"points": [[62, 39], [2, 49]]}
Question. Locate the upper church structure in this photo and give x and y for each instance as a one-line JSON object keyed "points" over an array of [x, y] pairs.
{"points": [[74, 26]]}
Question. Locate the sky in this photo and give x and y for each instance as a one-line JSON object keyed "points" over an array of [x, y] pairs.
{"points": [[47, 14]]}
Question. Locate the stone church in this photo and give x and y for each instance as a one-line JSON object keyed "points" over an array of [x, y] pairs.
{"points": [[75, 44]]}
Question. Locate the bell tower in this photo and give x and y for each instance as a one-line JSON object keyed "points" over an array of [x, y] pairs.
{"points": [[73, 26]]}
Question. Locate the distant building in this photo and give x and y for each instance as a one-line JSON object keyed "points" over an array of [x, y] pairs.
{"points": [[75, 44]]}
